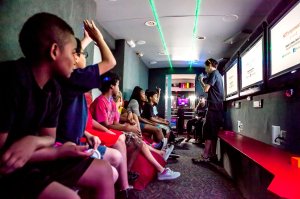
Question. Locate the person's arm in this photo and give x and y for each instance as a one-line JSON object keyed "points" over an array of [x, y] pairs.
{"points": [[86, 40], [102, 128], [22, 150], [108, 60], [153, 119], [92, 140], [204, 86], [158, 94]]}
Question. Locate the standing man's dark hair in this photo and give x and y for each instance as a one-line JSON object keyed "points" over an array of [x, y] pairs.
{"points": [[107, 80]]}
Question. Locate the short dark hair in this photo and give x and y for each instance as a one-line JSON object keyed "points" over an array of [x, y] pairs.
{"points": [[150, 94], [211, 61], [39, 32], [78, 46], [107, 80]]}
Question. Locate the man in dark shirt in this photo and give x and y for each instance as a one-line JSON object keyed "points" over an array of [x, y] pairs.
{"points": [[200, 112], [30, 166], [214, 115]]}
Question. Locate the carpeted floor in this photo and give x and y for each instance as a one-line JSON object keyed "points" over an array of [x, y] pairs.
{"points": [[196, 181]]}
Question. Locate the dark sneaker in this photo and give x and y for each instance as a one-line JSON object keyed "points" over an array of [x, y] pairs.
{"points": [[200, 160], [132, 176]]}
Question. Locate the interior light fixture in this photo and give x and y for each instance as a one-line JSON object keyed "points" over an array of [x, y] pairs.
{"points": [[150, 23], [195, 27], [154, 12], [153, 62], [141, 42], [230, 18]]}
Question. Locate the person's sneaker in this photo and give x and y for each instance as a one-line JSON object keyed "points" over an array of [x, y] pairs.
{"points": [[165, 142], [132, 176], [168, 152], [200, 160], [168, 174]]}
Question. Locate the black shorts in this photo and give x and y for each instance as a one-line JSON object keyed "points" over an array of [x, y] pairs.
{"points": [[213, 122], [32, 179]]}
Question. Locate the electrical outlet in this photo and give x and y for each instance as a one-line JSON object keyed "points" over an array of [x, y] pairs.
{"points": [[240, 126]]}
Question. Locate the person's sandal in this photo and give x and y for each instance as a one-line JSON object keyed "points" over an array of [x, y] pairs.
{"points": [[200, 160]]}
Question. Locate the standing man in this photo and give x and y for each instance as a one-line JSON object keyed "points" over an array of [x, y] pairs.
{"points": [[214, 116]]}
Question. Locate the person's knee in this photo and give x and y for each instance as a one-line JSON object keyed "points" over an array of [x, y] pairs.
{"points": [[114, 157], [115, 174]]}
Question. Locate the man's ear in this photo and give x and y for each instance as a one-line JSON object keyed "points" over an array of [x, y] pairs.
{"points": [[54, 51]]}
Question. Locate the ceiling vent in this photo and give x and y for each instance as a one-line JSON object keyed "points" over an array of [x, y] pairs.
{"points": [[240, 36]]}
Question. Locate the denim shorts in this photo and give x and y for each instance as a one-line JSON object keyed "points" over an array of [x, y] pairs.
{"points": [[102, 150]]}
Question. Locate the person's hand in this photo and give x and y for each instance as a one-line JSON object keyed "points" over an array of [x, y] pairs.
{"points": [[200, 77], [129, 117], [87, 36], [158, 89], [70, 149], [133, 129], [92, 30], [93, 141], [17, 155]]}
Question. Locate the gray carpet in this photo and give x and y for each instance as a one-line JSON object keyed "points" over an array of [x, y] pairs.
{"points": [[196, 181]]}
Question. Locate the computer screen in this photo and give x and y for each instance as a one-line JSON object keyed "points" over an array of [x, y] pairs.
{"points": [[181, 101], [285, 42], [232, 80], [252, 65]]}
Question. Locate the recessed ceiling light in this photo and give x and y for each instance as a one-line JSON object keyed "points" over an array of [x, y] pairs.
{"points": [[162, 53], [230, 18], [150, 23], [152, 62], [201, 37], [140, 42]]}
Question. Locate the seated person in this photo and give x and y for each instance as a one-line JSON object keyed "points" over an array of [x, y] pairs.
{"points": [[30, 167], [200, 112], [136, 103], [105, 112], [149, 114], [73, 116], [125, 116]]}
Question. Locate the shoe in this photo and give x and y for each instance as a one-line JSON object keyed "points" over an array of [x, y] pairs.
{"points": [[168, 152], [214, 158], [200, 160], [188, 138], [165, 142], [174, 156], [179, 140], [168, 174], [123, 194], [132, 176]]}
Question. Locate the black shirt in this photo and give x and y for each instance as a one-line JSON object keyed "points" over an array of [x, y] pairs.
{"points": [[147, 111], [216, 91], [25, 108]]}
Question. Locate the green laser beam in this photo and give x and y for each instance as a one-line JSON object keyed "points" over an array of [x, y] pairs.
{"points": [[162, 38]]}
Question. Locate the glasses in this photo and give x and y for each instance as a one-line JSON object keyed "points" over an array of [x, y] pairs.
{"points": [[83, 53]]}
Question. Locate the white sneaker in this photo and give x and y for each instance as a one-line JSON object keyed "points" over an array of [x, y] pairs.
{"points": [[165, 142], [168, 174], [168, 152]]}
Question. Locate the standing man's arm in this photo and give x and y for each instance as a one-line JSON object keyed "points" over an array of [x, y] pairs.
{"points": [[204, 86]]}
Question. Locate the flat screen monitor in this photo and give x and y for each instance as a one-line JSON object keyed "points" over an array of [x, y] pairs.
{"points": [[183, 101], [285, 42], [232, 80], [252, 65]]}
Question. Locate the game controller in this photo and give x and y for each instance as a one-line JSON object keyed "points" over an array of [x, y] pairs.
{"points": [[96, 154]]}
